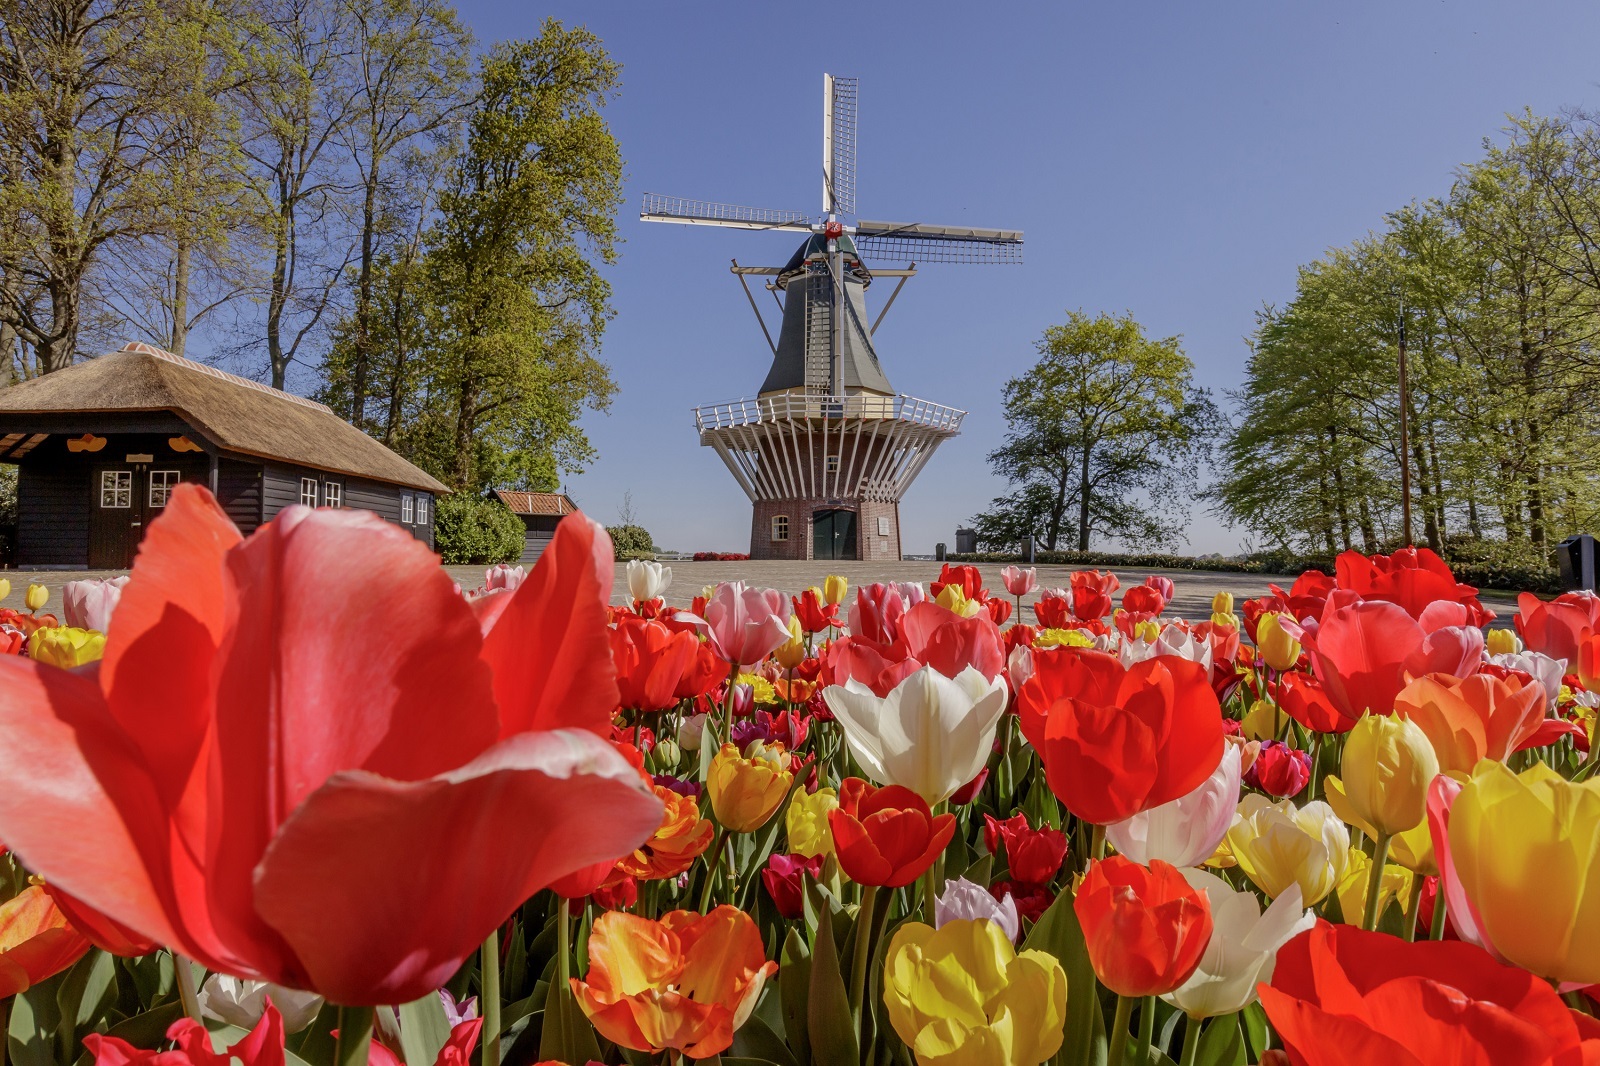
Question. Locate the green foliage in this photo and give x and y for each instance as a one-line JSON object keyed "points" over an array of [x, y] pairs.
{"points": [[631, 541], [1105, 437], [8, 510], [1496, 290], [472, 529]]}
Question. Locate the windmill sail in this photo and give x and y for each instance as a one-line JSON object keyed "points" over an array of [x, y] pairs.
{"points": [[922, 243]]}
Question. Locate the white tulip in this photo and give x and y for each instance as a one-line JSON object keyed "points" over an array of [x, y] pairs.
{"points": [[1187, 830], [931, 734], [648, 580], [690, 730], [241, 1002], [963, 899], [1180, 643], [1543, 669], [1279, 844], [1243, 950], [1136, 650]]}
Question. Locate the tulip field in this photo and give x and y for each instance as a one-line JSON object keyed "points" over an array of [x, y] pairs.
{"points": [[298, 798]]}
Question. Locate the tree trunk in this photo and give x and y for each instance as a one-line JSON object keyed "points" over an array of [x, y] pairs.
{"points": [[1083, 501], [1369, 535], [359, 371], [180, 296]]}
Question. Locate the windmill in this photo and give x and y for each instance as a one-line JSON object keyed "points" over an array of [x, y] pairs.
{"points": [[827, 448]]}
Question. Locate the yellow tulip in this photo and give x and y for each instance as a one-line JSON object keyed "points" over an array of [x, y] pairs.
{"points": [[1262, 721], [1222, 603], [65, 646], [1502, 642], [951, 598], [5, 588], [1148, 631], [835, 588], [36, 597], [1278, 649], [1412, 848], [1062, 638], [1352, 889], [746, 790], [1386, 769], [1228, 619], [806, 822], [793, 652], [1278, 845], [962, 996], [1526, 849]]}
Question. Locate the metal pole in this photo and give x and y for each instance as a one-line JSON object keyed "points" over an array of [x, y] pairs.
{"points": [[1405, 436]]}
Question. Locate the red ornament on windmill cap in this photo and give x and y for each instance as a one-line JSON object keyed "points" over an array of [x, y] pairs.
{"points": [[833, 230]]}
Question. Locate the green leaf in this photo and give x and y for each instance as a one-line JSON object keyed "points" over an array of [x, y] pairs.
{"points": [[1256, 1029], [567, 1035], [34, 1017], [755, 1040], [1058, 933], [424, 1029], [831, 1029], [1222, 1043], [794, 988]]}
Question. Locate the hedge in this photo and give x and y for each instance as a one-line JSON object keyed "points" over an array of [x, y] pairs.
{"points": [[472, 530]]}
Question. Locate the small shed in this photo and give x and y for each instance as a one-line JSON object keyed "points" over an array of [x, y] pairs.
{"points": [[540, 512], [100, 445]]}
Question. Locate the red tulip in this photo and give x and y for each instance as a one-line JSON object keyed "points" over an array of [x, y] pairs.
{"points": [[703, 673], [1143, 601], [1091, 593], [1413, 578], [1556, 628], [101, 931], [1053, 609], [814, 615], [272, 774], [1279, 770], [1033, 856], [651, 660], [263, 1046], [783, 878], [457, 1049], [1118, 741], [967, 578], [886, 836], [1145, 928], [999, 611], [929, 635], [1344, 997], [1304, 599], [36, 940]]}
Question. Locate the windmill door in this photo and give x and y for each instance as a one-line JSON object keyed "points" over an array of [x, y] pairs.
{"points": [[833, 535], [123, 499]]}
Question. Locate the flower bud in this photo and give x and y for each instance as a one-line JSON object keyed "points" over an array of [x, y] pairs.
{"points": [[36, 597], [1502, 642], [1279, 650], [1222, 603], [1386, 769], [835, 588]]}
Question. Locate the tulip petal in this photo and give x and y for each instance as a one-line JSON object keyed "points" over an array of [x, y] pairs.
{"points": [[550, 649], [344, 872]]}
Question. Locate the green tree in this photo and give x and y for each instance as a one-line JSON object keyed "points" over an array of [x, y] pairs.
{"points": [[1106, 436]]}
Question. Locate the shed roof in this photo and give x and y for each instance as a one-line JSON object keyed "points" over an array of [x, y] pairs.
{"points": [[234, 413], [537, 503]]}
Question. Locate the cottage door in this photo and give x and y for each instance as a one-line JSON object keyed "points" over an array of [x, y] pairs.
{"points": [[833, 535], [116, 517]]}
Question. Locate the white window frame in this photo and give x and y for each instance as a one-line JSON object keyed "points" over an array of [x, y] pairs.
{"points": [[159, 482], [120, 485], [422, 509], [833, 464], [780, 527], [408, 508], [308, 491], [333, 494], [883, 525]]}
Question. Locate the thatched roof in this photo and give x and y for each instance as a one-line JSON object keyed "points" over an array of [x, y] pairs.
{"points": [[537, 503], [234, 413]]}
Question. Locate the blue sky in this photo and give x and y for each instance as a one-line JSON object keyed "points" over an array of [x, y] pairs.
{"points": [[1174, 160]]}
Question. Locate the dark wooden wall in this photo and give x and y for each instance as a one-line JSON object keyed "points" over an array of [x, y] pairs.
{"points": [[53, 520], [280, 488], [539, 529], [239, 492]]}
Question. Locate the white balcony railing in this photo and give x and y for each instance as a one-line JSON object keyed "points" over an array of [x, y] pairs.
{"points": [[793, 407]]}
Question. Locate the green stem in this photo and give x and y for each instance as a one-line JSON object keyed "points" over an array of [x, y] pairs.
{"points": [[1191, 1042], [491, 998], [563, 940], [1316, 764], [1097, 843], [183, 969], [1411, 907], [727, 708], [863, 953], [355, 1037], [1380, 856], [1119, 1031], [1436, 931], [1147, 1028], [715, 851]]}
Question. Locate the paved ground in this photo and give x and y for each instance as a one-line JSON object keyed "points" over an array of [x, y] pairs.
{"points": [[1193, 600]]}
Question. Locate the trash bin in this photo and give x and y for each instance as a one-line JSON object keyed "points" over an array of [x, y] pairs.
{"points": [[1027, 550], [938, 552], [966, 541], [1575, 556]]}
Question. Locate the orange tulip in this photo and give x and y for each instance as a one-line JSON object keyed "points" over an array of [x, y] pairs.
{"points": [[1472, 718], [36, 940], [684, 983], [1145, 927], [680, 839]]}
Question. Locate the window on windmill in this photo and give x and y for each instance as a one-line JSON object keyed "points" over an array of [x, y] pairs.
{"points": [[833, 464], [883, 525], [780, 527], [308, 491]]}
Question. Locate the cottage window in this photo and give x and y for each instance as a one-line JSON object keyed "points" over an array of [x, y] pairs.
{"points": [[780, 527], [408, 509], [116, 488], [161, 485], [308, 491], [332, 494], [422, 510]]}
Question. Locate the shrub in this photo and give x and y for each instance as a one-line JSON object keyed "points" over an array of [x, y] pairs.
{"points": [[720, 557], [631, 542], [8, 511], [473, 530]]}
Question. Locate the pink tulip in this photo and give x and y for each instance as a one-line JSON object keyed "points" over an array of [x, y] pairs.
{"points": [[1162, 585], [1019, 582], [1463, 915], [744, 625], [503, 576], [88, 604]]}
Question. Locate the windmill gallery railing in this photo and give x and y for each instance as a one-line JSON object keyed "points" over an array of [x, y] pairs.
{"points": [[825, 447]]}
